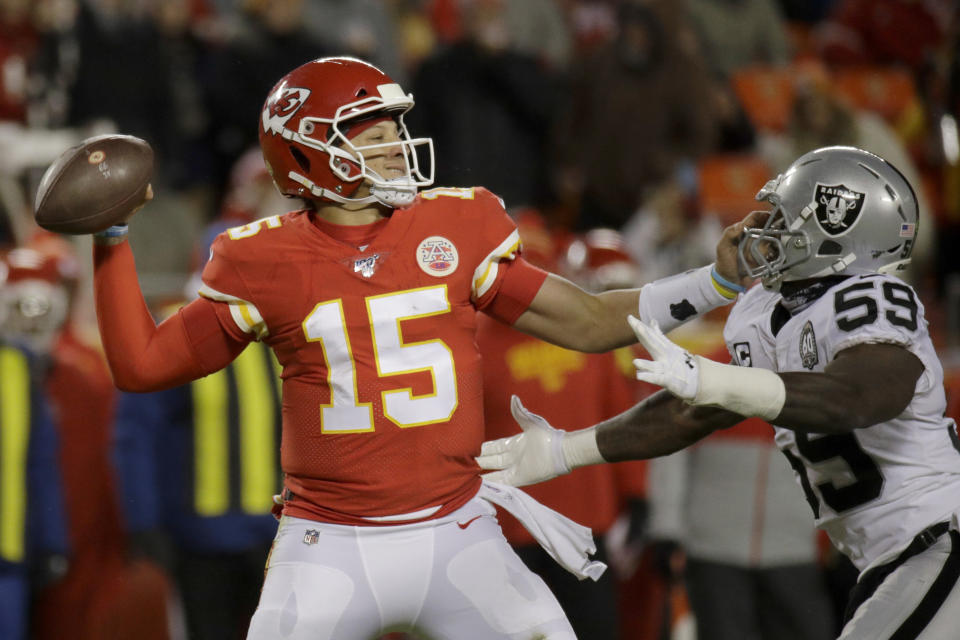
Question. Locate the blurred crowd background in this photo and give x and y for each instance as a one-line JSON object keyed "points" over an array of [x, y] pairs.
{"points": [[622, 135]]}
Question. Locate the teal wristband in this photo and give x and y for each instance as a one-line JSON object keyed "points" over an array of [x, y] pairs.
{"points": [[723, 282], [116, 231]]}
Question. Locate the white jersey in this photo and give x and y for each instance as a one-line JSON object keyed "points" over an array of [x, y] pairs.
{"points": [[872, 490]]}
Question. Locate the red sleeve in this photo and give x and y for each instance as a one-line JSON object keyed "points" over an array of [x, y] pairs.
{"points": [[143, 356], [521, 281]]}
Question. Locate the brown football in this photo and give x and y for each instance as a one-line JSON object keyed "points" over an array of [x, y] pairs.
{"points": [[94, 185]]}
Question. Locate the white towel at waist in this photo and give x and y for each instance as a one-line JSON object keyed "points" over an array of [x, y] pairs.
{"points": [[567, 542]]}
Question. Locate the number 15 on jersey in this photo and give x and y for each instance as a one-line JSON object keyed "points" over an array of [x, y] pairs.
{"points": [[345, 413]]}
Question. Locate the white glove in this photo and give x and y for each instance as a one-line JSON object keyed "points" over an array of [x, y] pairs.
{"points": [[526, 458], [672, 367]]}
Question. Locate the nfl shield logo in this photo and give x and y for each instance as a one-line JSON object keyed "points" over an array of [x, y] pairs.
{"points": [[311, 536], [837, 207], [366, 266]]}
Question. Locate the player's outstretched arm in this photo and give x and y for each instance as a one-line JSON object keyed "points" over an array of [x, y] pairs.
{"points": [[863, 385], [143, 356], [568, 316], [660, 425]]}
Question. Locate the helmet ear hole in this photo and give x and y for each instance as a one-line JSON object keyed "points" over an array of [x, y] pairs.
{"points": [[301, 158], [829, 248]]}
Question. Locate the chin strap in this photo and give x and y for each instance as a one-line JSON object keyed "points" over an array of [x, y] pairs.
{"points": [[394, 195], [398, 193]]}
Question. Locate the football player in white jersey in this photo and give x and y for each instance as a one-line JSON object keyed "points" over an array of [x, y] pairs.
{"points": [[834, 351]]}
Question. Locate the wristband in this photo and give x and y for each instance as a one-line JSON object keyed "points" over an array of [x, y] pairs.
{"points": [[673, 300], [748, 391], [580, 448], [723, 286], [116, 231]]}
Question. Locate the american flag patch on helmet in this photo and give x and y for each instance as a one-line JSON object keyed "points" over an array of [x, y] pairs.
{"points": [[907, 229]]}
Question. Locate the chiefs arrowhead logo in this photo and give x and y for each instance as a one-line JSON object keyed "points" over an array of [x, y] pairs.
{"points": [[281, 106]]}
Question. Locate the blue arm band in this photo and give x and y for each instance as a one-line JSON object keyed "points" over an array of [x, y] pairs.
{"points": [[726, 284], [116, 231]]}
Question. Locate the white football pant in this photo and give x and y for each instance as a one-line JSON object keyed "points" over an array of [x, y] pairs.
{"points": [[453, 578], [920, 600]]}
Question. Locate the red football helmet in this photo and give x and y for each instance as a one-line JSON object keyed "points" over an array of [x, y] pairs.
{"points": [[34, 299], [306, 121], [599, 260]]}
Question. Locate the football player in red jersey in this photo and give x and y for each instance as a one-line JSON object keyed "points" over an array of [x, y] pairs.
{"points": [[369, 298]]}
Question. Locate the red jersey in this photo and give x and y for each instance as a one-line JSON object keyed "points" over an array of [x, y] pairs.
{"points": [[570, 390], [382, 387]]}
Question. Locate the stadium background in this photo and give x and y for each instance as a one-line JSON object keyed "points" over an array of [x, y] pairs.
{"points": [[657, 118]]}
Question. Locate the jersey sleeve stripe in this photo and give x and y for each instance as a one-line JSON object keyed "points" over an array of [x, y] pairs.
{"points": [[486, 272], [244, 314]]}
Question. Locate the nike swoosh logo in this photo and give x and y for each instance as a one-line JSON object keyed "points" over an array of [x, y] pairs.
{"points": [[464, 525]]}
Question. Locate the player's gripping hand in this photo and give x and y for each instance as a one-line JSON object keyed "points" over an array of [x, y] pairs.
{"points": [[672, 367], [532, 456], [728, 261]]}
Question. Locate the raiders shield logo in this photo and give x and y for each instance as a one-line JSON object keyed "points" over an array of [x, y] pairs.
{"points": [[837, 207], [808, 347]]}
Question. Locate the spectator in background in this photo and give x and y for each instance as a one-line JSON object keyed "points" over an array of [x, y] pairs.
{"points": [[117, 68], [183, 52], [649, 607], [134, 65], [805, 11], [669, 233], [943, 108], [732, 505], [488, 108], [905, 32], [418, 32], [250, 195], [538, 28], [361, 28], [33, 538], [267, 38], [53, 69], [199, 464], [19, 40], [100, 595], [567, 385], [636, 108], [739, 33], [730, 502], [819, 117], [592, 23]]}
